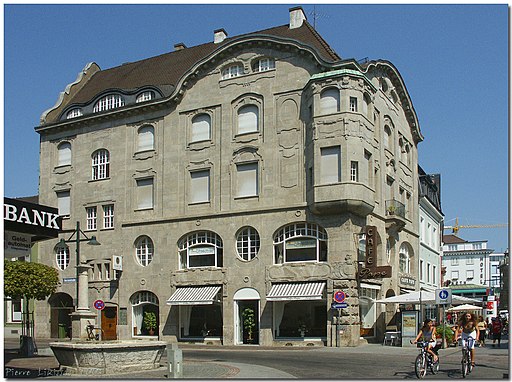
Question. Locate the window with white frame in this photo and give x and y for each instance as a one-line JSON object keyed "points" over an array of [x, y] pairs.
{"points": [[353, 104], [404, 259], [232, 71], [470, 274], [247, 243], [62, 258], [248, 119], [146, 138], [264, 64], [477, 246], [108, 216], [144, 250], [92, 216], [470, 261], [330, 101], [144, 193], [200, 186], [145, 96], [434, 274], [300, 242], [455, 275], [111, 101], [247, 179], [200, 249], [454, 261], [64, 202], [428, 272], [330, 165], [452, 247], [64, 151], [100, 164], [354, 171], [201, 128], [74, 113]]}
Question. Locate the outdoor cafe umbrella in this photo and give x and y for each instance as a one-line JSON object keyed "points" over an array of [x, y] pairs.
{"points": [[422, 297], [463, 308]]}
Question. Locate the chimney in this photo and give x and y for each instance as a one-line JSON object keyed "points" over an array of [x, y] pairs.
{"points": [[219, 35], [297, 17], [179, 46]]}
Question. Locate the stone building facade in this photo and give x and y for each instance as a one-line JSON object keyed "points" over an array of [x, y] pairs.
{"points": [[241, 183]]}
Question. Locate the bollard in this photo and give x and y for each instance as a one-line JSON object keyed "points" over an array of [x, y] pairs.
{"points": [[174, 361]]}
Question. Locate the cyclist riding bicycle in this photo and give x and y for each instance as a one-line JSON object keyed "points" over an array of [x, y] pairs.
{"points": [[428, 332], [468, 328]]}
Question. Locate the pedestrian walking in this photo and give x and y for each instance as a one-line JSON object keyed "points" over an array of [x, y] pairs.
{"points": [[482, 327], [496, 331]]}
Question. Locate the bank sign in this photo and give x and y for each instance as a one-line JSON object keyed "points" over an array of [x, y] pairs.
{"points": [[35, 221]]}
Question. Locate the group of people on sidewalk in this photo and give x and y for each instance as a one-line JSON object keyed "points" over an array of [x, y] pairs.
{"points": [[467, 326]]}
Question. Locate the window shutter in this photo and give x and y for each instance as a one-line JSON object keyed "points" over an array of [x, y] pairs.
{"points": [[144, 193], [330, 166], [64, 154], [200, 186], [248, 119], [201, 128], [146, 138], [330, 101], [64, 203], [247, 179]]}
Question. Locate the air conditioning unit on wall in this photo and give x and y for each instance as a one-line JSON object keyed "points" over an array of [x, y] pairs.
{"points": [[117, 263]]}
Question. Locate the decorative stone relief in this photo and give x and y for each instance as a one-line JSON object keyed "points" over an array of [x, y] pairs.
{"points": [[344, 269], [199, 275], [293, 272]]}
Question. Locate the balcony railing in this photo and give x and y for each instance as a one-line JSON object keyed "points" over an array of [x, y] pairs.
{"points": [[395, 208]]}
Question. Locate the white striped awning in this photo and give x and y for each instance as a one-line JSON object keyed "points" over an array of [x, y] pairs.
{"points": [[203, 295], [296, 291]]}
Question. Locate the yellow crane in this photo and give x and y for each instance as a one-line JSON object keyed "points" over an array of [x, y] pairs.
{"points": [[455, 228]]}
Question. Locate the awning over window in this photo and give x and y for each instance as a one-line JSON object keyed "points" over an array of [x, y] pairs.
{"points": [[296, 291], [203, 295]]}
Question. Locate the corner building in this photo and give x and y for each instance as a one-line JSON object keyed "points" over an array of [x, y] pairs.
{"points": [[248, 178]]}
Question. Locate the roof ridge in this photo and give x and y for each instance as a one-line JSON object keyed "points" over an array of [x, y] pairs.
{"points": [[322, 41]]}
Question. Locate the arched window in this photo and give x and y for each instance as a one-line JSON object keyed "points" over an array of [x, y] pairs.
{"points": [[111, 101], [248, 117], [387, 137], [232, 71], [200, 249], [264, 64], [74, 113], [62, 258], [64, 150], [143, 302], [100, 164], [300, 242], [146, 138], [145, 96], [247, 243], [330, 101], [144, 250], [405, 258], [201, 128]]}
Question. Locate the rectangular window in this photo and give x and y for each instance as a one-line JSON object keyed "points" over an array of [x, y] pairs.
{"points": [[354, 171], [470, 274], [144, 193], [353, 104], [470, 261], [64, 203], [455, 275], [200, 186], [330, 164], [108, 216], [91, 218], [452, 247], [247, 179], [421, 270], [428, 273], [455, 261], [434, 274]]}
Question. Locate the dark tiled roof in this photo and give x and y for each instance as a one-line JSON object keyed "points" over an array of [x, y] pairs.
{"points": [[168, 68], [452, 239]]}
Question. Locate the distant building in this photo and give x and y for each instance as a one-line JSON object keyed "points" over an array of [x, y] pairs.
{"points": [[259, 172]]}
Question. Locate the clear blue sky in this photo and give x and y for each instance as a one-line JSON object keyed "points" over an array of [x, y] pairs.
{"points": [[453, 59]]}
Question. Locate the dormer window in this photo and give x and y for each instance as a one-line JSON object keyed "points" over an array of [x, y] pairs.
{"points": [[145, 96], [264, 64], [73, 113], [111, 101], [232, 71]]}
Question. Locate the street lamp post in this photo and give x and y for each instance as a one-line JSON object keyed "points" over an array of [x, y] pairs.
{"points": [[82, 315]]}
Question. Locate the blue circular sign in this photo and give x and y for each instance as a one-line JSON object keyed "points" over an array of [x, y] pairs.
{"points": [[99, 304], [443, 294]]}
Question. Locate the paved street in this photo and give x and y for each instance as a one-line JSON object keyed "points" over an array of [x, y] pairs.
{"points": [[371, 361]]}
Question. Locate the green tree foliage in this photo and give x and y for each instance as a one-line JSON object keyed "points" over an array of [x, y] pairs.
{"points": [[29, 280]]}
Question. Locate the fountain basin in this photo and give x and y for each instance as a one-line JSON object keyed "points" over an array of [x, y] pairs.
{"points": [[94, 358]]}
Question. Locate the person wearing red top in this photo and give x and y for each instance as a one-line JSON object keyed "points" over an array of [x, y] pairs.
{"points": [[496, 331]]}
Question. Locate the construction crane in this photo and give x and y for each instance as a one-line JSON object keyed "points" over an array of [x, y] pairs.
{"points": [[455, 228]]}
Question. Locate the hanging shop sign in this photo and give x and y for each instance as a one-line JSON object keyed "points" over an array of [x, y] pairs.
{"points": [[370, 270], [17, 244]]}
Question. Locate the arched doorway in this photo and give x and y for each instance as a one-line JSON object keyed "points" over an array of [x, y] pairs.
{"points": [[247, 316], [61, 306], [143, 302]]}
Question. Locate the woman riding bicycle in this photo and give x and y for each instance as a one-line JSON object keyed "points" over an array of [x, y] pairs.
{"points": [[468, 328], [428, 332]]}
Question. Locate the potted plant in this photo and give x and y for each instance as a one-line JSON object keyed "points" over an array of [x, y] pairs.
{"points": [[150, 322], [249, 321]]}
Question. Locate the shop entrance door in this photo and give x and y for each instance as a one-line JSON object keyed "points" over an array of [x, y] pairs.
{"points": [[247, 316], [109, 323]]}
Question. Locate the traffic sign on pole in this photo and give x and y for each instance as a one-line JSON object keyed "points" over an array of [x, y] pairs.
{"points": [[339, 296], [99, 304], [443, 296]]}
